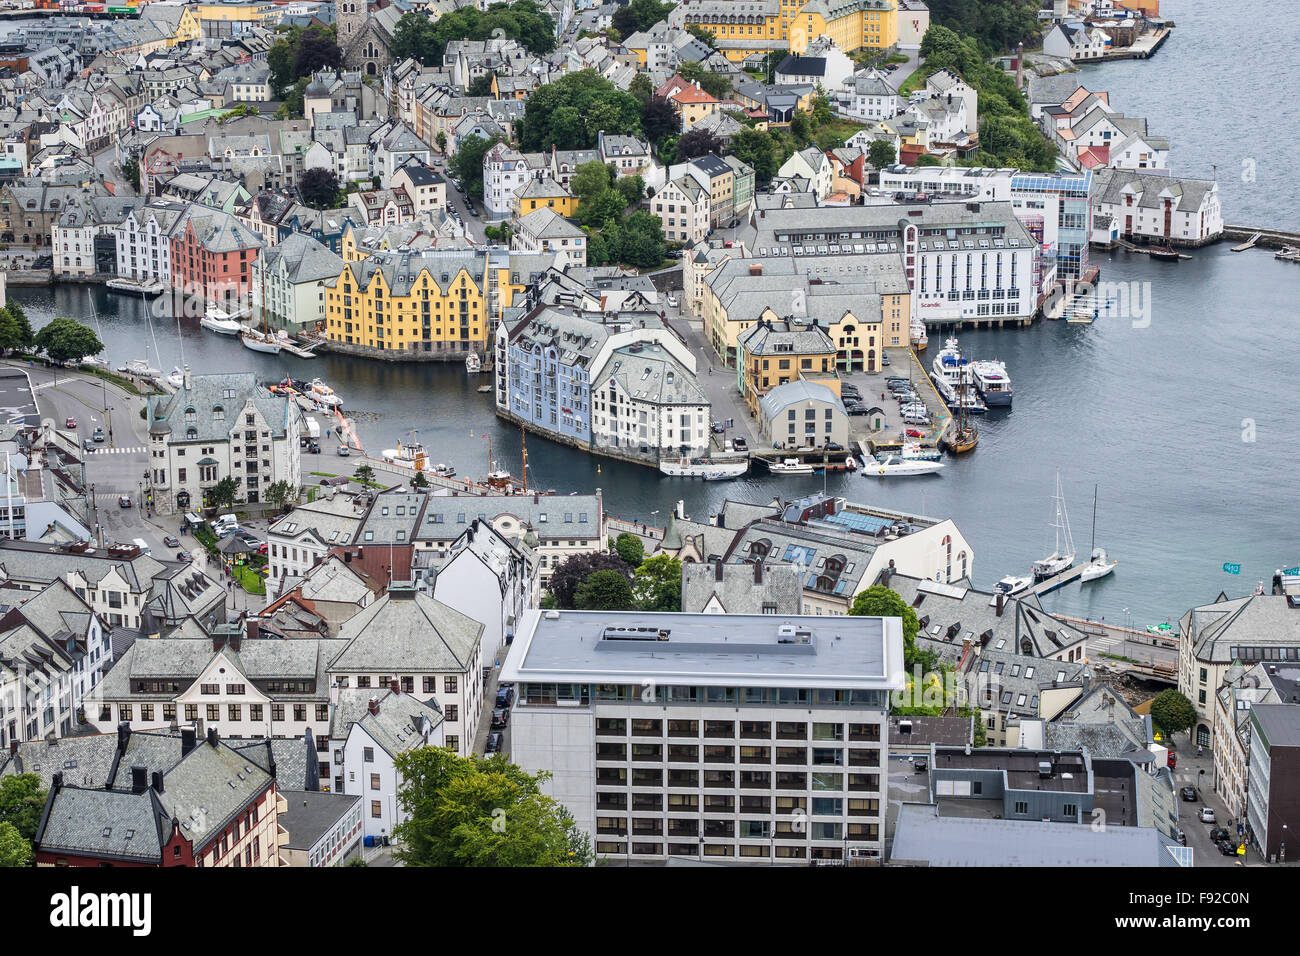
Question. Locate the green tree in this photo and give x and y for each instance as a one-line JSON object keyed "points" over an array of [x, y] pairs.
{"points": [[697, 142], [424, 40], [642, 88], [280, 493], [997, 24], [657, 584], [604, 591], [14, 850], [419, 481], [590, 180], [9, 332], [319, 188], [640, 15], [882, 601], [27, 338], [573, 570], [442, 142], [641, 240], [701, 34], [717, 85], [294, 105], [467, 164], [22, 801], [1172, 712], [67, 340], [801, 128], [131, 170], [555, 113], [224, 492], [881, 153], [659, 120], [481, 85], [926, 159], [471, 811], [629, 547], [364, 474], [631, 188], [316, 50], [759, 149]]}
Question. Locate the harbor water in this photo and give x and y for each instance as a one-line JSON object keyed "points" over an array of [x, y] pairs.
{"points": [[1180, 412]]}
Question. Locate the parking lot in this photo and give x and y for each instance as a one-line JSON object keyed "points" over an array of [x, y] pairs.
{"points": [[888, 425]]}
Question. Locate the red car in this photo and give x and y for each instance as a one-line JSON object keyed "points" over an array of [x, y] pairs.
{"points": [[70, 422], [915, 433]]}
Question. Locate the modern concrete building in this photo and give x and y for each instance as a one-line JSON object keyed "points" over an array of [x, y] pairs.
{"points": [[1273, 794], [670, 737]]}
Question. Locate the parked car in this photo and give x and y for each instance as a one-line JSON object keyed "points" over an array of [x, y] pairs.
{"points": [[473, 210], [505, 695], [124, 501], [740, 444], [99, 434], [500, 717], [183, 557], [171, 541], [493, 743], [858, 410], [1219, 833], [718, 428], [70, 422], [850, 390], [344, 451], [87, 444], [833, 446], [1188, 794], [1227, 847], [313, 447], [884, 360], [1181, 837], [1207, 815], [672, 300]]}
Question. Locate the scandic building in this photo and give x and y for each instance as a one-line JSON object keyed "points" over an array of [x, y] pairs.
{"points": [[669, 736]]}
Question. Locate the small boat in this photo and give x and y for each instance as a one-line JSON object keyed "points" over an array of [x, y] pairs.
{"points": [[963, 439], [259, 341], [1164, 253], [473, 364], [485, 388], [443, 471], [1012, 585], [140, 369], [323, 393], [919, 338], [707, 468], [992, 382], [790, 466], [220, 321], [412, 455], [1164, 630], [1062, 558], [176, 378], [892, 466], [1098, 567], [91, 362]]}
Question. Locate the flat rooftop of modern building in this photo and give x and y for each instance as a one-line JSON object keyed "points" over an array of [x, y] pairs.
{"points": [[758, 650], [1069, 772]]}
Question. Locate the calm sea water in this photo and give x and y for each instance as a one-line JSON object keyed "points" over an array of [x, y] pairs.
{"points": [[1184, 425]]}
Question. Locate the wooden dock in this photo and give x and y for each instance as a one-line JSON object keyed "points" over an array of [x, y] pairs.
{"points": [[1248, 244], [1048, 585]]}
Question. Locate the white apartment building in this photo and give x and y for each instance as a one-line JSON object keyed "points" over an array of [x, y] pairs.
{"points": [[297, 541], [504, 171], [667, 736], [430, 649], [217, 426], [143, 241], [647, 401], [683, 208], [288, 283], [1152, 206], [869, 95]]}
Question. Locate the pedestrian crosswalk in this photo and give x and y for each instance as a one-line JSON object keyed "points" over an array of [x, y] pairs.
{"points": [[104, 450]]}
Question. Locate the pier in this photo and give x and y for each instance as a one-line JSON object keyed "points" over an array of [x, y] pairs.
{"points": [[1048, 585], [1252, 236], [1248, 244]]}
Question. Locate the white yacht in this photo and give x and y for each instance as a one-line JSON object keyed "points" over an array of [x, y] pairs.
{"points": [[790, 466], [948, 364], [259, 341], [443, 471], [993, 382], [892, 466], [176, 378], [1012, 585], [473, 364], [220, 321], [955, 396], [1062, 557], [706, 468], [1098, 567], [411, 455], [915, 451]]}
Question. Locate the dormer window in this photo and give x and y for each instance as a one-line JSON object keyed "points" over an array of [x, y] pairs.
{"points": [[218, 413], [190, 415]]}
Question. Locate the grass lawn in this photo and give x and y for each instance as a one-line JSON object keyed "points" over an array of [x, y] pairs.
{"points": [[323, 474], [249, 579], [914, 82]]}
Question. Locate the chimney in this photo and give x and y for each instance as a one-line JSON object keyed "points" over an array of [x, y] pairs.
{"points": [[758, 572], [213, 738], [251, 629], [756, 269], [187, 388], [57, 780], [157, 781], [374, 706], [13, 747], [139, 779], [1001, 600], [395, 686], [123, 735], [188, 740], [334, 693], [717, 569]]}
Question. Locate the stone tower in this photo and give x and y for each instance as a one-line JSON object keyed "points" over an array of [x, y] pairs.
{"points": [[351, 19]]}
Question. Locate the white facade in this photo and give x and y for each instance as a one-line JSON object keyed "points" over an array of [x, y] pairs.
{"points": [[794, 767], [369, 772], [143, 245], [683, 208], [504, 171]]}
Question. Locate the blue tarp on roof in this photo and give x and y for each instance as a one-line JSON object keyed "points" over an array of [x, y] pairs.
{"points": [[867, 524]]}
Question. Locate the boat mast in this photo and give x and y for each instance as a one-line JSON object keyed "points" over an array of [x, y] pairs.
{"points": [[1093, 547], [523, 447]]}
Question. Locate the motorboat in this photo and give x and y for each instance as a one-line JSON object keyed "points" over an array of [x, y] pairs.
{"points": [[1012, 585], [220, 321], [443, 471], [322, 393], [473, 364], [1062, 557], [176, 378], [949, 363], [893, 466], [992, 382], [140, 368], [411, 455], [1098, 567], [919, 338], [790, 466], [709, 469], [259, 341]]}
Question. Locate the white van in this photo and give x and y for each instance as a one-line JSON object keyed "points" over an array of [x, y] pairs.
{"points": [[142, 545]]}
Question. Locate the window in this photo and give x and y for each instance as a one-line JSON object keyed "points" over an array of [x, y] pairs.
{"points": [[376, 809], [1022, 806], [449, 685], [374, 781], [368, 755]]}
